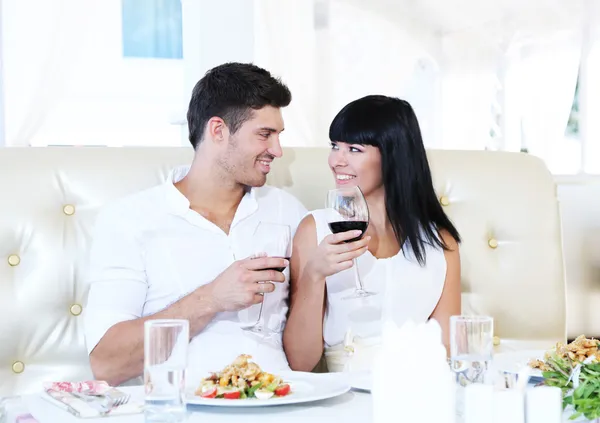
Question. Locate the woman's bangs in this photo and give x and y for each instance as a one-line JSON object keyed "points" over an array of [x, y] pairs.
{"points": [[354, 130]]}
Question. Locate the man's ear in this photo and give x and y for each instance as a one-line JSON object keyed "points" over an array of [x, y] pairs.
{"points": [[216, 129]]}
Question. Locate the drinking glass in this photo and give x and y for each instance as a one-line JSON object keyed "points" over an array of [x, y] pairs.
{"points": [[272, 240], [165, 360], [471, 347], [347, 210]]}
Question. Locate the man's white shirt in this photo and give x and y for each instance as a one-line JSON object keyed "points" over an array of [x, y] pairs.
{"points": [[150, 249]]}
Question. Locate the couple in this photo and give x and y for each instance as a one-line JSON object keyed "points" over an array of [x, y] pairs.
{"points": [[176, 250]]}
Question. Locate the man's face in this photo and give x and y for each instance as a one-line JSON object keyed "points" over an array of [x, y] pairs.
{"points": [[247, 154]]}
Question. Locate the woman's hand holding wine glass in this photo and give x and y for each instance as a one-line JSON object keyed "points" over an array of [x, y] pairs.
{"points": [[337, 253], [348, 211]]}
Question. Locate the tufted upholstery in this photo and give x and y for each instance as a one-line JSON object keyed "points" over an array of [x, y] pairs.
{"points": [[504, 205]]}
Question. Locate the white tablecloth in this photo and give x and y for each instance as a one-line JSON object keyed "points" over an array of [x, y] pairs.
{"points": [[352, 407], [347, 408]]}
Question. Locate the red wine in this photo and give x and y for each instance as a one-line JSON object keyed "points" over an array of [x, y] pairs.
{"points": [[279, 269], [349, 225]]}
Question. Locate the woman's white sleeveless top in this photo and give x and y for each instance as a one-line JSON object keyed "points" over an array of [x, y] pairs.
{"points": [[405, 291]]}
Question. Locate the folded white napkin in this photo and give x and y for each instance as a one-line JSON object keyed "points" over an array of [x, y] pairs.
{"points": [[61, 395], [411, 375]]}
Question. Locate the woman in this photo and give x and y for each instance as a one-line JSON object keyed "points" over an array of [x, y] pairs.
{"points": [[376, 144]]}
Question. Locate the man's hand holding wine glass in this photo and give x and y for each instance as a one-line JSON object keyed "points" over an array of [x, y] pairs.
{"points": [[242, 284], [335, 254], [275, 241]]}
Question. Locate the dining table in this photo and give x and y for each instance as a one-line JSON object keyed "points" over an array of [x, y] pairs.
{"points": [[353, 406]]}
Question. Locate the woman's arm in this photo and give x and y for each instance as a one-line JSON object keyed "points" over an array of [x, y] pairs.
{"points": [[450, 301], [309, 266], [303, 334]]}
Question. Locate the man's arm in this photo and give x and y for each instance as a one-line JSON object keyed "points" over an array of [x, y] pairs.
{"points": [[119, 356], [118, 288]]}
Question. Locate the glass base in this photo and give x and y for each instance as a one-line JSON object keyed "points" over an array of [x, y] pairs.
{"points": [[264, 335], [255, 329], [164, 412], [258, 330], [359, 294]]}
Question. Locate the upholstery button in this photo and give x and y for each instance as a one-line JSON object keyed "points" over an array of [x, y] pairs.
{"points": [[14, 260], [18, 367], [76, 309], [444, 201], [69, 209], [493, 243], [496, 341]]}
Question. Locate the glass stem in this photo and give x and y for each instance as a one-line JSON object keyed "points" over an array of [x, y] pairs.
{"points": [[262, 303], [357, 281]]}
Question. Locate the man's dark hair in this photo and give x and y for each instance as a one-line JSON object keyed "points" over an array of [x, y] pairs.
{"points": [[232, 91]]}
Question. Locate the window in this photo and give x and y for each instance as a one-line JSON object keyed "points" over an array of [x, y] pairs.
{"points": [[496, 116], [124, 88], [544, 117], [572, 130], [152, 29]]}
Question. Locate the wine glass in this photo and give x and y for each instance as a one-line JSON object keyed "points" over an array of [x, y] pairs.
{"points": [[272, 240], [347, 210]]}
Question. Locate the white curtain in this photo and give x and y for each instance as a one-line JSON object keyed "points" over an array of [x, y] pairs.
{"points": [[284, 38], [592, 160], [468, 89], [469, 84], [540, 85], [348, 53], [423, 92], [370, 54], [467, 96], [43, 40]]}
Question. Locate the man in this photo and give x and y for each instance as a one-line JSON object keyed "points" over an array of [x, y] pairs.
{"points": [[183, 249]]}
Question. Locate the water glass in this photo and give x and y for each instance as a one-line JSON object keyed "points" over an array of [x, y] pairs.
{"points": [[165, 360], [471, 347]]}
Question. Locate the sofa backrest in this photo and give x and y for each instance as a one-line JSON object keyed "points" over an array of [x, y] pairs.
{"points": [[503, 204]]}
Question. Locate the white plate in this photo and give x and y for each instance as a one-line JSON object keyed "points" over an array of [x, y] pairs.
{"points": [[512, 362], [361, 381], [306, 387]]}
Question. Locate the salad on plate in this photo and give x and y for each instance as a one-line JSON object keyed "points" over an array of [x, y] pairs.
{"points": [[243, 379], [575, 369], [580, 350]]}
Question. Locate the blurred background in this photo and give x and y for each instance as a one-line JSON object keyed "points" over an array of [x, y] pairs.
{"points": [[509, 75]]}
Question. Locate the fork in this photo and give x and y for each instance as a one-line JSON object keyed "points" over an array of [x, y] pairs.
{"points": [[119, 398], [107, 401]]}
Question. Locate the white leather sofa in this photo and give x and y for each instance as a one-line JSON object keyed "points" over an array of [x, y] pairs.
{"points": [[504, 205]]}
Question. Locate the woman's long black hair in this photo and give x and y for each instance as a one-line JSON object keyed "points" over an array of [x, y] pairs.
{"points": [[390, 124]]}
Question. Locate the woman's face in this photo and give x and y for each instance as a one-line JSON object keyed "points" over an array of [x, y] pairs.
{"points": [[356, 164]]}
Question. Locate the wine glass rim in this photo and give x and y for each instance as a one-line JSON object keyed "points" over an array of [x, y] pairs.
{"points": [[472, 318], [166, 323], [354, 188]]}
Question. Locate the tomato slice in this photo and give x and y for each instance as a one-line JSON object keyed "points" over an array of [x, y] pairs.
{"points": [[211, 393], [232, 395], [282, 390]]}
